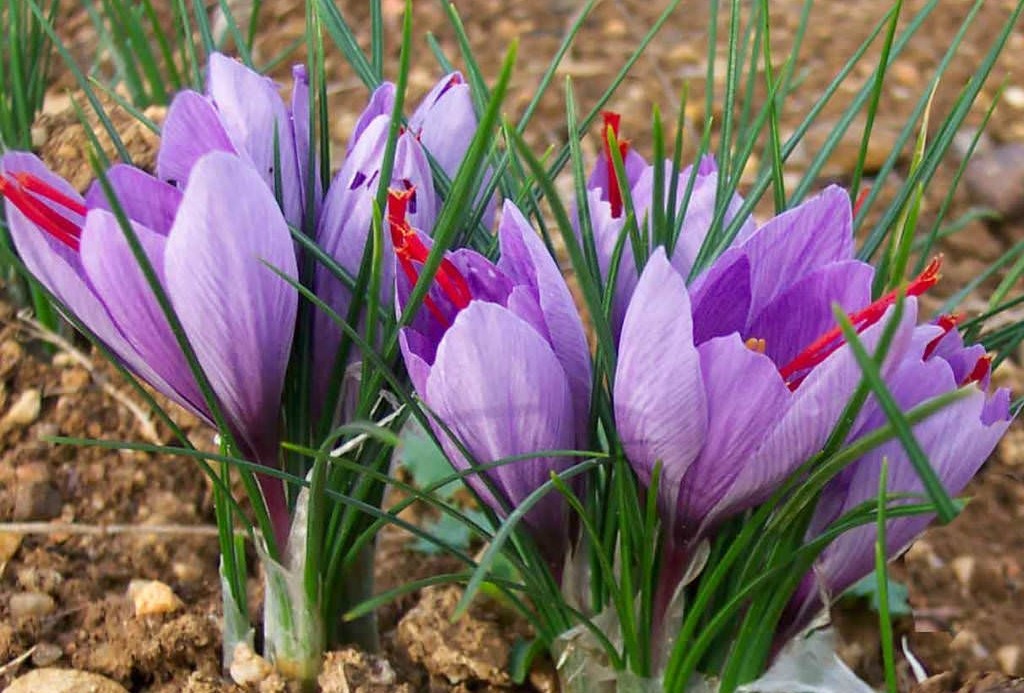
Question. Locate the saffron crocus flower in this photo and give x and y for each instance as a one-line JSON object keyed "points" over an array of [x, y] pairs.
{"points": [[445, 123], [606, 206], [347, 217], [498, 353], [957, 440], [242, 112], [207, 245], [732, 383]]}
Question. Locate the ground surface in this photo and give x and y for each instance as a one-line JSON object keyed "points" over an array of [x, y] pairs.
{"points": [[120, 517]]}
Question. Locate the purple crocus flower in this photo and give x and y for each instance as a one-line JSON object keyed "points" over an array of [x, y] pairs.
{"points": [[347, 217], [733, 382], [957, 440], [242, 112], [444, 123], [208, 245], [605, 204], [498, 353]]}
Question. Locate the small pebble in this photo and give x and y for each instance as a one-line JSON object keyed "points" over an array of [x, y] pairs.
{"points": [[1014, 97], [25, 605], [963, 569], [248, 668], [45, 654], [36, 500], [1009, 659], [63, 360], [186, 571], [152, 597], [53, 680], [922, 552], [24, 410], [995, 179], [966, 642]]}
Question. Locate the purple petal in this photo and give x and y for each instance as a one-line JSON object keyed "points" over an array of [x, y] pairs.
{"points": [[700, 213], [802, 312], [412, 170], [146, 200], [345, 223], [342, 233], [607, 232], [497, 384], [381, 103], [813, 413], [721, 298], [527, 261], [796, 242], [419, 353], [660, 408], [746, 396], [957, 443], [446, 122], [192, 128], [259, 126], [305, 158], [633, 164], [486, 281], [238, 314], [120, 283]]}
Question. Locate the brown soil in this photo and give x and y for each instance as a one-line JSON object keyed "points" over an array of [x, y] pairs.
{"points": [[113, 517]]}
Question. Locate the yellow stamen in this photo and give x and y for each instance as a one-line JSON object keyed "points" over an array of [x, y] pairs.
{"points": [[756, 344]]}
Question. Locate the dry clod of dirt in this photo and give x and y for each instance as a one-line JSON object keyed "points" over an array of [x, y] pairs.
{"points": [[63, 681], [473, 649], [38, 579], [354, 671], [26, 605], [151, 597]]}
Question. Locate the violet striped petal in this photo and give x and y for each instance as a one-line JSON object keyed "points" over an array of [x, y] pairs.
{"points": [[119, 282], [192, 128], [146, 200], [499, 387], [238, 314], [661, 412], [526, 260]]}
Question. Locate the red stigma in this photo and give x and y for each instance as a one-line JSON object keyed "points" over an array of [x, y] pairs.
{"points": [[825, 345], [611, 123], [410, 249], [980, 371], [947, 323], [860, 200], [27, 192]]}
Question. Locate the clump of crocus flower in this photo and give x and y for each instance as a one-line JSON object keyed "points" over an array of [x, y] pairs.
{"points": [[211, 247], [236, 179], [731, 375]]}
